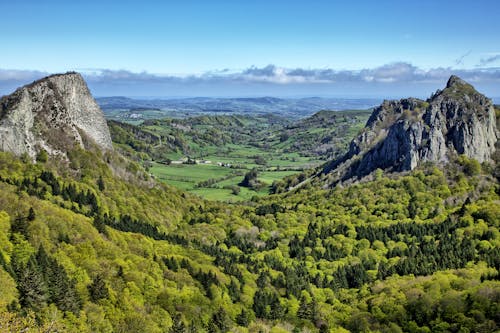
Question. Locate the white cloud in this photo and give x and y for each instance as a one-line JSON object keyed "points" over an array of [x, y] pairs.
{"points": [[389, 75], [20, 75]]}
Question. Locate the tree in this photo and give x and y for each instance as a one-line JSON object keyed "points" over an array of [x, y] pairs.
{"points": [[100, 225], [250, 180], [259, 159], [178, 325], [219, 322], [234, 291], [98, 289], [263, 279], [100, 184], [260, 302], [242, 318], [61, 290], [470, 165], [20, 225], [33, 292], [304, 310], [235, 189], [277, 310], [266, 304], [31, 214]]}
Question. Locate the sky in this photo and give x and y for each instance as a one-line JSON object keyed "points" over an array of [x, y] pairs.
{"points": [[253, 48]]}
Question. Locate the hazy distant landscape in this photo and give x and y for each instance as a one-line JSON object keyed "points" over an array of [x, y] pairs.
{"points": [[122, 108]]}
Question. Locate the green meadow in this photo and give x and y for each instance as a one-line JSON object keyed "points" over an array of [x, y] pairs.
{"points": [[210, 155]]}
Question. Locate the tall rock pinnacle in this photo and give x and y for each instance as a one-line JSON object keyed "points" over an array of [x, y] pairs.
{"points": [[400, 135], [52, 114]]}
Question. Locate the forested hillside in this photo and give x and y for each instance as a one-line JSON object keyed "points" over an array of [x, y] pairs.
{"points": [[96, 246]]}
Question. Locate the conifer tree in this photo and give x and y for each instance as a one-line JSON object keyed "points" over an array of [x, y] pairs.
{"points": [[242, 318], [33, 291], [31, 215], [98, 289]]}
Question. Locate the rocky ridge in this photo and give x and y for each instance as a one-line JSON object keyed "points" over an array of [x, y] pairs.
{"points": [[52, 114], [401, 135]]}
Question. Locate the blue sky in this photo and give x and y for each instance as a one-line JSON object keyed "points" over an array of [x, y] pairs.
{"points": [[251, 48]]}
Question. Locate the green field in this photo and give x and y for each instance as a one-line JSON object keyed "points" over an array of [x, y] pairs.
{"points": [[188, 177], [228, 147]]}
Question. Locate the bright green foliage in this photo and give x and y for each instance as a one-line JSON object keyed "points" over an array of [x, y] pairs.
{"points": [[99, 247], [42, 156]]}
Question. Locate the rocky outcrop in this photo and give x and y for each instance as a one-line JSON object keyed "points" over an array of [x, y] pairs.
{"points": [[52, 114], [400, 135]]}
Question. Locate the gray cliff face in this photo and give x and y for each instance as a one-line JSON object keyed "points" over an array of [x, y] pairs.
{"points": [[400, 135], [53, 114]]}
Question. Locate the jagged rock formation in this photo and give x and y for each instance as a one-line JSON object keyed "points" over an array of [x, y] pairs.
{"points": [[52, 114], [400, 135]]}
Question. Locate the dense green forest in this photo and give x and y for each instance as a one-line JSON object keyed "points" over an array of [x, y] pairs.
{"points": [[96, 245]]}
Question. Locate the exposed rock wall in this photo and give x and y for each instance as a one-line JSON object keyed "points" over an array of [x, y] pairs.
{"points": [[400, 135], [53, 114]]}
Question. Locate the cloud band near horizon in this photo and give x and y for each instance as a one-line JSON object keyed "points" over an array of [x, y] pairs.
{"points": [[105, 81]]}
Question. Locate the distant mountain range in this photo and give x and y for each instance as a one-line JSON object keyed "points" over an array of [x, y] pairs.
{"points": [[296, 108]]}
